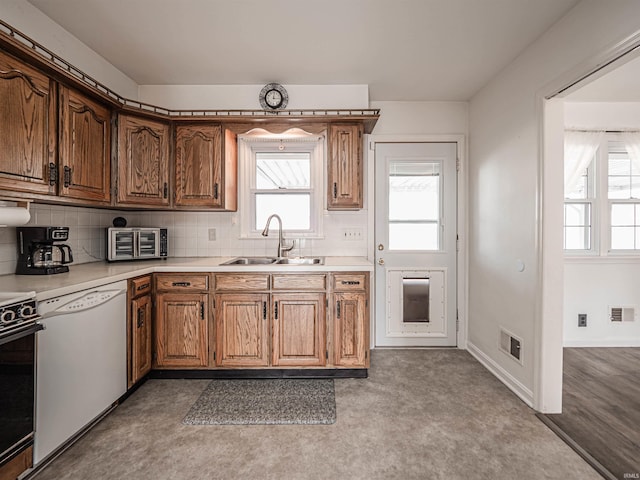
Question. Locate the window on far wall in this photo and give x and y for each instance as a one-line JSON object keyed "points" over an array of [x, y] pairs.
{"points": [[602, 207], [282, 175]]}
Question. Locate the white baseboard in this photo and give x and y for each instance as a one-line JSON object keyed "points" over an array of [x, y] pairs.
{"points": [[501, 374], [608, 343]]}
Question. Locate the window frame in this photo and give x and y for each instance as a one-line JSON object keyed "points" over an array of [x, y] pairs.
{"points": [[249, 146]]}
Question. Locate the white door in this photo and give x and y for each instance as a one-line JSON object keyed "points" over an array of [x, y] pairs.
{"points": [[415, 238]]}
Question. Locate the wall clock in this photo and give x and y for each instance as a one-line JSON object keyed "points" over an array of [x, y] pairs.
{"points": [[273, 96]]}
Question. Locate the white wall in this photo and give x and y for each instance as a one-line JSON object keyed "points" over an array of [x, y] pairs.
{"points": [[26, 18], [245, 97], [422, 118], [505, 218], [592, 285]]}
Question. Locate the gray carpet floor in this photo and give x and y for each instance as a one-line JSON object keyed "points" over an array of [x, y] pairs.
{"points": [[421, 414]]}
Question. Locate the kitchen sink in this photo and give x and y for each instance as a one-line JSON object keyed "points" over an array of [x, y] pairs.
{"points": [[251, 261], [275, 261], [300, 261]]}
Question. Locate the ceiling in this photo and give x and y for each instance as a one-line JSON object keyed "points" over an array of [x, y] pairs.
{"points": [[403, 49]]}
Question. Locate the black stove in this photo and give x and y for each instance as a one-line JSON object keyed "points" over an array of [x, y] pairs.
{"points": [[17, 310]]}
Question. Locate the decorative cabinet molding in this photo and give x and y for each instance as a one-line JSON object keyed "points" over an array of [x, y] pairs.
{"points": [[345, 167], [205, 167], [85, 148], [143, 161], [28, 148]]}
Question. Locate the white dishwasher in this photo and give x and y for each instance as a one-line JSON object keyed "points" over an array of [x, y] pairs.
{"points": [[81, 363]]}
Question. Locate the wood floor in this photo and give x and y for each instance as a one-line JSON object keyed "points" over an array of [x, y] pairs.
{"points": [[601, 406]]}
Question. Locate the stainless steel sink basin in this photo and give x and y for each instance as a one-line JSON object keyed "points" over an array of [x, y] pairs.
{"points": [[251, 261], [275, 261], [301, 261]]}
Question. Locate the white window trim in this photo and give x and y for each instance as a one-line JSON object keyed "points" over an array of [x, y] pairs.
{"points": [[249, 145]]}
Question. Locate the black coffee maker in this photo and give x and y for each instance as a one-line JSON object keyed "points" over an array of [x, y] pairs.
{"points": [[38, 252]]}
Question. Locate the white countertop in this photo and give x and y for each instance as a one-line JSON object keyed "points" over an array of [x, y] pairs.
{"points": [[90, 275]]}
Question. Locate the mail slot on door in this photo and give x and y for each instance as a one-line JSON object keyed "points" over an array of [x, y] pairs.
{"points": [[415, 299]]}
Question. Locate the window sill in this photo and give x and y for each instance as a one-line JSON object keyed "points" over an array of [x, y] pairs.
{"points": [[604, 260]]}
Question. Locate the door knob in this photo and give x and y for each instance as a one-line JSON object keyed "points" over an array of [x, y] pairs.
{"points": [[381, 261], [381, 247]]}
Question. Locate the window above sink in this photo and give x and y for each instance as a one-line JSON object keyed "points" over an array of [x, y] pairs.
{"points": [[282, 174]]}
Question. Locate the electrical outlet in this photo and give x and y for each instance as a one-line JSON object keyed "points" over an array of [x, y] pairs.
{"points": [[352, 234], [212, 234], [582, 319]]}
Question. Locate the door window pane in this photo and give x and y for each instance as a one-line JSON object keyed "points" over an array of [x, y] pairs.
{"points": [[414, 205]]}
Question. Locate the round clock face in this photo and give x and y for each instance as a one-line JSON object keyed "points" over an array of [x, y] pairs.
{"points": [[273, 97]]}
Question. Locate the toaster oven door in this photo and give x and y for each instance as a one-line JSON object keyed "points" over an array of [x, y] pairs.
{"points": [[122, 245], [149, 243]]}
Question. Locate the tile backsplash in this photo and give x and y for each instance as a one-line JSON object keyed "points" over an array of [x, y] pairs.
{"points": [[191, 234]]}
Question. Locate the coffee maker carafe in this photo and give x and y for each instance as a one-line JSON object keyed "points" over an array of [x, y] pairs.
{"points": [[38, 252]]}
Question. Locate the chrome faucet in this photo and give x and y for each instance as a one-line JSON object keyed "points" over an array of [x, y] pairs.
{"points": [[282, 250]]}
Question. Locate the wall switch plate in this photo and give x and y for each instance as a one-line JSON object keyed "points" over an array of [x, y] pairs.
{"points": [[212, 234], [352, 234], [582, 319]]}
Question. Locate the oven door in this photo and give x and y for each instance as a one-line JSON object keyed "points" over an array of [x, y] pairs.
{"points": [[17, 382], [148, 243]]}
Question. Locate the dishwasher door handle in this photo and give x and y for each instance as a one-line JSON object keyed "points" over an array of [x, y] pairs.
{"points": [[89, 300]]}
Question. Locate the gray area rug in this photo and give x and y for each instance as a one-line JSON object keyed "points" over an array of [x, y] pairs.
{"points": [[265, 402]]}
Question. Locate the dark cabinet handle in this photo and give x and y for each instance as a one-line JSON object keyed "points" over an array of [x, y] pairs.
{"points": [[275, 311], [338, 309], [53, 174], [181, 284], [165, 190], [350, 282], [201, 310], [143, 286], [335, 190], [264, 310], [67, 176], [215, 191], [140, 317]]}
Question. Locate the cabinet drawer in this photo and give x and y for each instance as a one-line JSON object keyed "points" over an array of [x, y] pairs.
{"points": [[242, 281], [140, 286], [299, 282], [345, 282], [182, 282]]}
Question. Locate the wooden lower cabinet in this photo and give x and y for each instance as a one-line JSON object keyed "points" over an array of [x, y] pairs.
{"points": [[298, 338], [141, 314], [181, 330], [17, 465], [242, 333], [350, 323]]}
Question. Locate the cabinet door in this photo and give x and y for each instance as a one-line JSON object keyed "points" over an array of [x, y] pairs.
{"points": [[140, 337], [298, 329], [85, 148], [345, 167], [242, 329], [351, 341], [181, 330], [199, 166], [28, 160], [143, 156]]}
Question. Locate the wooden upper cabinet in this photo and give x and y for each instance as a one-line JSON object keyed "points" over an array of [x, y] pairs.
{"points": [[85, 148], [345, 168], [205, 167], [143, 161], [27, 128]]}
